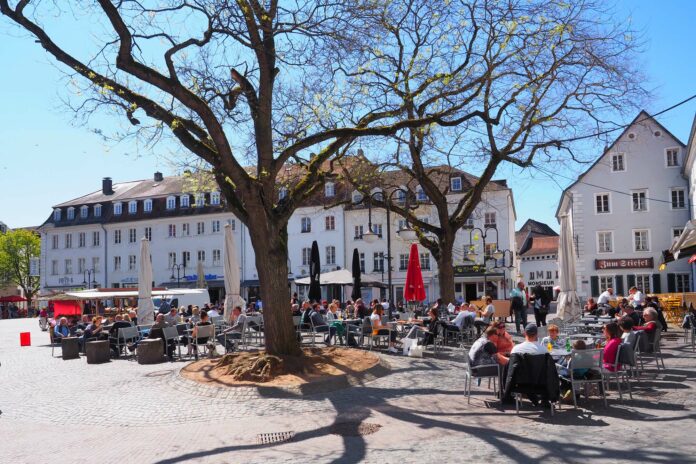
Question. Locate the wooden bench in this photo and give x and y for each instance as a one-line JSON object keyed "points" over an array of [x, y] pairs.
{"points": [[502, 309]]}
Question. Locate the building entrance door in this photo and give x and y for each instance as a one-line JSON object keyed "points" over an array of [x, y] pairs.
{"points": [[471, 293]]}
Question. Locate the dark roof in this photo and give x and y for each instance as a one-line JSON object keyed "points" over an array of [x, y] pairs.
{"points": [[133, 190], [531, 229], [542, 245]]}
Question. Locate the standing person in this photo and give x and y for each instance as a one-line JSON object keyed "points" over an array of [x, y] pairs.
{"points": [[541, 305], [518, 305]]}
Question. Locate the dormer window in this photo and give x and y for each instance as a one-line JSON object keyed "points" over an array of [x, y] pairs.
{"points": [[56, 214], [200, 200], [329, 189], [420, 194], [282, 193], [97, 210], [357, 197], [184, 201], [401, 196], [84, 212], [215, 198], [71, 213], [456, 184], [147, 206], [132, 207], [118, 209], [377, 194], [171, 203]]}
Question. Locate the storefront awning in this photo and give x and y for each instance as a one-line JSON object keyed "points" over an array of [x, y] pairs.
{"points": [[684, 245]]}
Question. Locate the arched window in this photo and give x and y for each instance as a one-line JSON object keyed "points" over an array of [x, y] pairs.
{"points": [[147, 206], [71, 213], [171, 202]]}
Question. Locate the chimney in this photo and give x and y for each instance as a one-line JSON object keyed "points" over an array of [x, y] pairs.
{"points": [[159, 177], [107, 186]]}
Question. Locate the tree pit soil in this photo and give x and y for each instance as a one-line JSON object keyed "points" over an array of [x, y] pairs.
{"points": [[256, 368]]}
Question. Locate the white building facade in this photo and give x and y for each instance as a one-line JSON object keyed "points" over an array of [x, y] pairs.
{"points": [[626, 209]]}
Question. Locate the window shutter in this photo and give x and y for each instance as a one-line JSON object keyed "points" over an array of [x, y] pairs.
{"points": [[671, 284], [631, 278], [619, 290], [594, 285], [657, 287]]}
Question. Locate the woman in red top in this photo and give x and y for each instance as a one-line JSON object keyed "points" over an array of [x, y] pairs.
{"points": [[612, 335], [650, 317]]}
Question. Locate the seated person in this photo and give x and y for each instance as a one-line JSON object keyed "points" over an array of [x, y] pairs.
{"points": [[552, 338], [531, 342], [566, 392], [295, 308], [651, 326], [380, 329], [320, 325], [484, 351], [119, 323], [133, 315], [626, 325], [234, 332], [590, 307], [628, 311], [504, 341], [156, 329], [61, 329], [171, 317], [194, 334], [611, 347], [82, 325], [485, 316], [433, 326]]}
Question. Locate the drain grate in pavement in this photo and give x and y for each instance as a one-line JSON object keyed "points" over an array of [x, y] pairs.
{"points": [[354, 429], [278, 437]]}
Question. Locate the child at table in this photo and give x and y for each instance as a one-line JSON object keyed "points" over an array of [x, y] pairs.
{"points": [[566, 387], [552, 338]]}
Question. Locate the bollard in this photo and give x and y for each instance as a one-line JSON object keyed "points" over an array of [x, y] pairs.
{"points": [[24, 339]]}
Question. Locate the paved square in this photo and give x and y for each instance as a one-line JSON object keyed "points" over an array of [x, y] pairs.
{"points": [[121, 412]]}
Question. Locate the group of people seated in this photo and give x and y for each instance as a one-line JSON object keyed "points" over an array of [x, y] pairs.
{"points": [[608, 305]]}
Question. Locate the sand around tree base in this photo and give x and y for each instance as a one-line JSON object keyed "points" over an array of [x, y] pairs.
{"points": [[253, 368]]}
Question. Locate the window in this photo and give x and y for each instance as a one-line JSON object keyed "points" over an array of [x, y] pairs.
{"points": [[602, 203], [468, 224], [201, 256], [117, 263], [132, 207], [456, 184], [420, 194], [54, 267], [329, 189], [489, 219], [282, 193], [681, 282], [676, 232], [131, 235], [425, 261], [377, 229], [184, 201], [306, 253], [216, 257], [403, 262], [490, 249], [171, 203], [185, 257], [215, 198], [172, 260], [233, 223], [643, 282], [148, 233], [95, 264], [605, 242], [117, 237], [172, 230], [200, 200], [68, 241], [215, 226], [401, 196], [378, 262], [81, 265], [81, 239], [118, 209], [605, 282], [68, 266], [640, 200], [330, 223], [147, 206], [358, 233], [96, 238], [362, 262], [306, 225], [131, 262], [71, 213], [200, 228], [330, 255], [54, 242], [678, 197], [672, 157], [641, 240], [56, 214], [185, 230], [402, 224], [617, 162], [97, 210], [84, 212]]}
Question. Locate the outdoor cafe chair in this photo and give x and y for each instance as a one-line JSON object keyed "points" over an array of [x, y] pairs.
{"points": [[126, 336], [653, 350], [204, 332], [480, 372], [367, 333], [323, 329], [171, 335], [55, 342], [585, 359], [144, 330], [530, 377], [624, 357]]}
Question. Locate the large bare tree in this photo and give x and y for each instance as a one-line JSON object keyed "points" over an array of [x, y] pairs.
{"points": [[250, 86], [534, 76]]}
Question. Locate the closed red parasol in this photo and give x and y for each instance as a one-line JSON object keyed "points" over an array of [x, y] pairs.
{"points": [[692, 259], [414, 289], [12, 299]]}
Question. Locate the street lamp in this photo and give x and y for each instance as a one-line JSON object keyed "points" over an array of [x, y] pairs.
{"points": [[472, 255], [180, 270], [88, 277], [504, 267], [407, 233]]}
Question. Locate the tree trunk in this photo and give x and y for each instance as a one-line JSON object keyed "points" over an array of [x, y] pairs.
{"points": [[270, 248], [445, 269]]}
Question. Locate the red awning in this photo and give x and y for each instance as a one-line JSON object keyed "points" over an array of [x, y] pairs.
{"points": [[12, 299], [66, 308], [414, 290], [692, 259]]}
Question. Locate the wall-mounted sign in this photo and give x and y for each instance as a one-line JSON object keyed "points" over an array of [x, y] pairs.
{"points": [[543, 283], [638, 263], [194, 277], [129, 280], [34, 267], [65, 281]]}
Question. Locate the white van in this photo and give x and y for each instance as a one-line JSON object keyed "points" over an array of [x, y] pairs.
{"points": [[194, 297]]}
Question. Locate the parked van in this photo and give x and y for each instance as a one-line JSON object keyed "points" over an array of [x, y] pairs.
{"points": [[194, 297]]}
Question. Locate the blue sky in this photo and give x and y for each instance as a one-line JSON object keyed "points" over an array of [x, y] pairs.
{"points": [[44, 159]]}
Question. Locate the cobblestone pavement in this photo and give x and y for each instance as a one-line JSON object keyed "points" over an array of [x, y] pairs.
{"points": [[67, 411]]}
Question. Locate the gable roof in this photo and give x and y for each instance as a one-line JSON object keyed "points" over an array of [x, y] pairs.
{"points": [[542, 246], [642, 116], [529, 229]]}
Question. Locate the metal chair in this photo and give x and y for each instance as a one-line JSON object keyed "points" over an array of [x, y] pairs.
{"points": [[367, 332], [471, 373], [125, 337], [204, 333], [623, 355], [171, 335], [54, 342], [653, 350], [585, 359]]}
